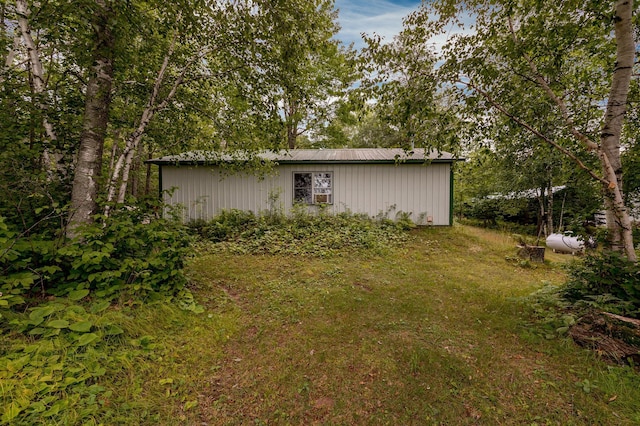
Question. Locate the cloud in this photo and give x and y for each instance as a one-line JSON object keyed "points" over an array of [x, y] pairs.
{"points": [[385, 18], [382, 17]]}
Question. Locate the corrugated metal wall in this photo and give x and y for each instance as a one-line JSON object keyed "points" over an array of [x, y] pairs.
{"points": [[423, 191]]}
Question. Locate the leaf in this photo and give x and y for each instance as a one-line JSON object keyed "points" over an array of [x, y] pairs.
{"points": [[190, 404], [36, 317], [85, 339], [113, 330], [81, 327], [100, 306], [78, 294], [59, 323], [10, 412], [165, 381], [44, 311]]}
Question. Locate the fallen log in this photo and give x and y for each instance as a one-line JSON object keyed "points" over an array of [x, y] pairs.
{"points": [[612, 336]]}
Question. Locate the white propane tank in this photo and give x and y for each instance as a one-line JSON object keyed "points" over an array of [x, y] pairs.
{"points": [[565, 243]]}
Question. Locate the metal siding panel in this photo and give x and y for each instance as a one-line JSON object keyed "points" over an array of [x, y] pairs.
{"points": [[366, 189]]}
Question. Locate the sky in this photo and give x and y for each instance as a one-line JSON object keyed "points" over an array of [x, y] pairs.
{"points": [[383, 17]]}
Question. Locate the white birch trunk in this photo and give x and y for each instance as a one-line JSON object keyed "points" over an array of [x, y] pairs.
{"points": [[620, 227], [618, 219], [11, 56], [122, 167], [37, 70], [94, 124]]}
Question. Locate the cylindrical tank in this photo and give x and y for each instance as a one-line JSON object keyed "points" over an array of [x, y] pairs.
{"points": [[565, 243]]}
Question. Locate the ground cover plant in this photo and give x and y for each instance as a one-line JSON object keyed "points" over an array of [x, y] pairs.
{"points": [[64, 324], [434, 332], [437, 329], [300, 233]]}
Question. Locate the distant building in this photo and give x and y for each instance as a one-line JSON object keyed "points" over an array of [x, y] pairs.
{"points": [[418, 183]]}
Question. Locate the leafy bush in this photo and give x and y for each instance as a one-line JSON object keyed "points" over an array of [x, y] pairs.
{"points": [[605, 280], [225, 226], [124, 254], [60, 334], [301, 233], [59, 360]]}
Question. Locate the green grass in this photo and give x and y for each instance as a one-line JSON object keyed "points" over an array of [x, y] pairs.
{"points": [[434, 331], [430, 333]]}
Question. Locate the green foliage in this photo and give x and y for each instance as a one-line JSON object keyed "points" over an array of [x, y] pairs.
{"points": [[551, 318], [56, 357], [607, 281], [126, 255], [302, 233], [60, 336], [410, 110]]}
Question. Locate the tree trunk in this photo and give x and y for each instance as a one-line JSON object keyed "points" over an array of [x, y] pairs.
{"points": [[122, 167], [618, 220], [549, 209], [291, 123], [147, 182], [291, 136], [38, 81], [94, 126], [541, 216]]}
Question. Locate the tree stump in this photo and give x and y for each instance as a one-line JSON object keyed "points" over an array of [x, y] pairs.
{"points": [[532, 253]]}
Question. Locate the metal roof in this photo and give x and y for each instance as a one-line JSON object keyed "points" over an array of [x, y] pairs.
{"points": [[315, 156]]}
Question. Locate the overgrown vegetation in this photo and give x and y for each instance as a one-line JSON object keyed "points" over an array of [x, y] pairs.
{"points": [[301, 233], [434, 332], [378, 336], [63, 328], [606, 281]]}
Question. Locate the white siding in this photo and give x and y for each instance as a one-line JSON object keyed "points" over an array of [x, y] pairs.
{"points": [[423, 191]]}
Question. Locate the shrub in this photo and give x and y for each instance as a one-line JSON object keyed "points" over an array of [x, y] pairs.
{"points": [[301, 233], [605, 280], [125, 253], [225, 226], [57, 350]]}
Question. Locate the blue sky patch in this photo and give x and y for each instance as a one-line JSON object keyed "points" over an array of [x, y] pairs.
{"points": [[382, 17]]}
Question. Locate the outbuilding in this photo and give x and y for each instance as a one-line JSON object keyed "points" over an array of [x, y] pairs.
{"points": [[417, 184]]}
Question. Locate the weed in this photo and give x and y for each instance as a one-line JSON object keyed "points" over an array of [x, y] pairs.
{"points": [[607, 281], [302, 233]]}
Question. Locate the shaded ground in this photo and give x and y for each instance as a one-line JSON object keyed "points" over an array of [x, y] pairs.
{"points": [[433, 333]]}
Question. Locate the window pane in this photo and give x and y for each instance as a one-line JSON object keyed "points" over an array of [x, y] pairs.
{"points": [[302, 195], [321, 181], [302, 180]]}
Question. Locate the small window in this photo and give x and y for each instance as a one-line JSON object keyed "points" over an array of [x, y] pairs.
{"points": [[313, 187]]}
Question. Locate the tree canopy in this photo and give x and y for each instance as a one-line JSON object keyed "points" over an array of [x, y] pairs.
{"points": [[560, 71], [90, 89]]}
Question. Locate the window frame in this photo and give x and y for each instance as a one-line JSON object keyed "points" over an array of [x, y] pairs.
{"points": [[316, 191]]}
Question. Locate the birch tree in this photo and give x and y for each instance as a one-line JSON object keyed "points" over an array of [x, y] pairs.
{"points": [[88, 167], [38, 82], [573, 57]]}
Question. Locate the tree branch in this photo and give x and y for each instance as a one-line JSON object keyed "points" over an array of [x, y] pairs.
{"points": [[535, 131], [591, 145]]}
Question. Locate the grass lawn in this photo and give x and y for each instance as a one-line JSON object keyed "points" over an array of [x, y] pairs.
{"points": [[433, 332]]}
